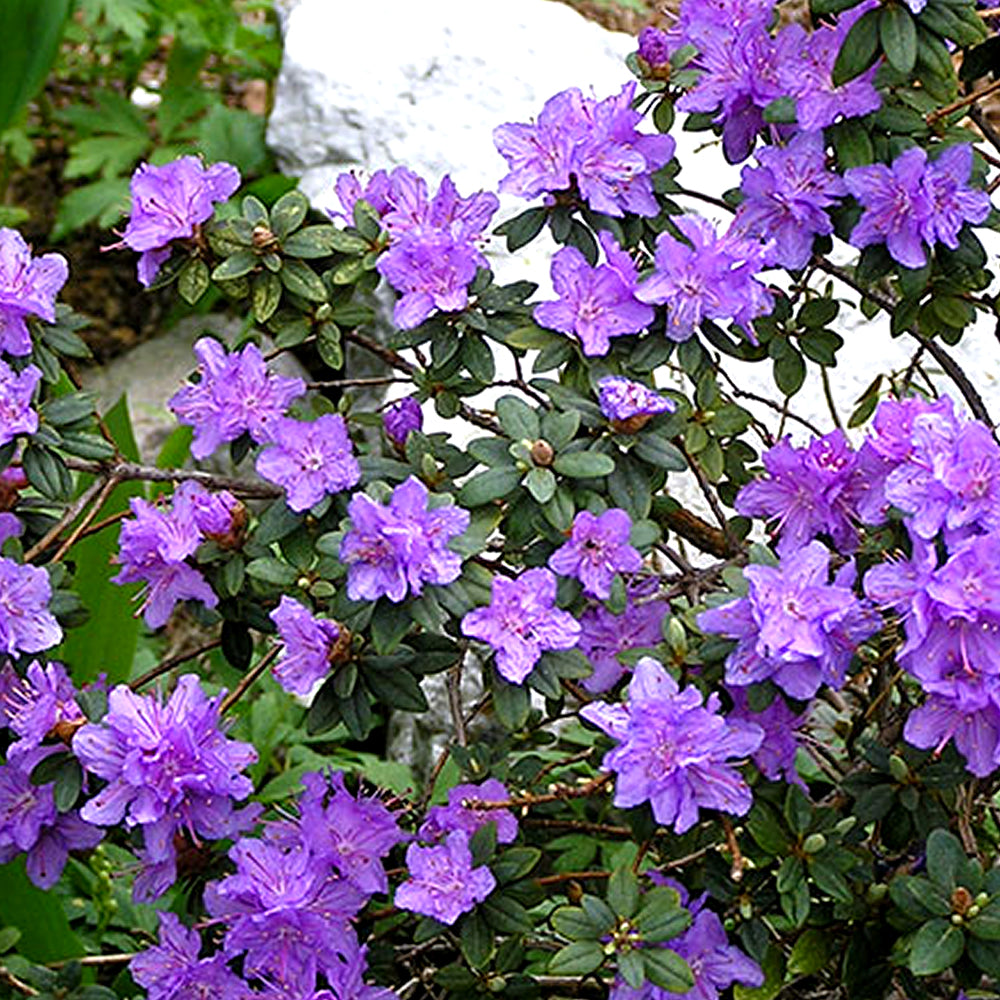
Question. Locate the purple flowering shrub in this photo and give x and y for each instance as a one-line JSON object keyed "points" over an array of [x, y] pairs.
{"points": [[612, 681]]}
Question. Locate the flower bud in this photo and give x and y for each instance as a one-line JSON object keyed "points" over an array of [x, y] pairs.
{"points": [[876, 893], [542, 452], [974, 911], [262, 237], [961, 900], [982, 898], [401, 418], [814, 843], [956, 919]]}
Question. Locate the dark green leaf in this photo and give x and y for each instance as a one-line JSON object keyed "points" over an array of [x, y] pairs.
{"points": [[584, 464], [935, 947], [265, 292], [511, 703], [507, 915], [235, 266], [300, 279], [518, 419], [273, 571], [541, 484], [515, 863], [859, 49], [571, 922], [623, 891], [945, 859], [810, 952], [477, 939], [523, 228], [898, 34], [193, 280], [667, 970], [578, 959], [492, 484], [660, 452], [288, 213]]}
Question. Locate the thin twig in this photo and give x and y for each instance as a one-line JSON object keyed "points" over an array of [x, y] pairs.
{"points": [[601, 829], [736, 872], [950, 366], [87, 520], [165, 666], [523, 801], [454, 682], [963, 102], [990, 134], [355, 383], [249, 679], [825, 378], [569, 877], [732, 542], [69, 516], [131, 471], [117, 958], [8, 977]]}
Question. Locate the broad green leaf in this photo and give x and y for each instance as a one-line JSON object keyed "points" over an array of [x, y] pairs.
{"points": [[898, 35], [935, 947], [46, 935], [584, 464], [577, 959], [668, 970]]}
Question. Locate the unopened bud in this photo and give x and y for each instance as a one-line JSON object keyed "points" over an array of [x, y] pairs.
{"points": [[982, 899], [961, 900], [956, 919], [846, 825], [676, 638], [814, 843], [877, 892], [973, 911], [262, 237], [542, 452], [341, 649]]}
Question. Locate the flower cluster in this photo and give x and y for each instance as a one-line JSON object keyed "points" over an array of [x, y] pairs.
{"points": [[235, 394], [793, 627], [595, 303], [521, 622], [630, 405], [916, 203], [592, 144], [169, 203], [675, 750], [17, 390], [158, 542], [169, 769], [597, 550], [433, 254], [40, 704], [28, 287], [401, 418], [394, 549], [708, 277]]}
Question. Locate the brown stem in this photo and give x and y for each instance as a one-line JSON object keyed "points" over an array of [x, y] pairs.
{"points": [[736, 872], [131, 471], [251, 677], [8, 977], [354, 383], [87, 520], [165, 666], [69, 516], [601, 829], [454, 682], [962, 102], [565, 792], [569, 877]]}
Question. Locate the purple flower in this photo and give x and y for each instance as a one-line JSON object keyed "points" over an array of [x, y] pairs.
{"points": [[739, 79], [595, 303], [308, 644], [350, 190], [350, 832], [953, 203], [431, 271], [805, 71], [597, 549], [30, 822], [914, 202], [701, 21], [309, 459], [522, 622], [604, 635], [236, 393], [974, 727], [170, 769], [592, 142], [40, 704], [28, 287], [287, 914], [785, 198], [16, 392], [775, 757], [172, 969], [442, 820], [402, 417], [793, 627], [344, 976], [26, 624], [809, 491], [673, 750], [625, 402], [712, 278], [394, 549], [154, 548], [443, 883], [169, 202]]}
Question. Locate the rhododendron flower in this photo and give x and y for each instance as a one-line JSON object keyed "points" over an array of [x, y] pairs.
{"points": [[626, 402], [28, 287], [598, 549], [16, 393], [441, 820], [38, 704], [443, 883], [522, 622], [674, 750], [236, 393], [169, 202], [308, 642], [394, 549], [793, 627], [309, 459], [170, 769], [401, 418], [26, 624]]}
